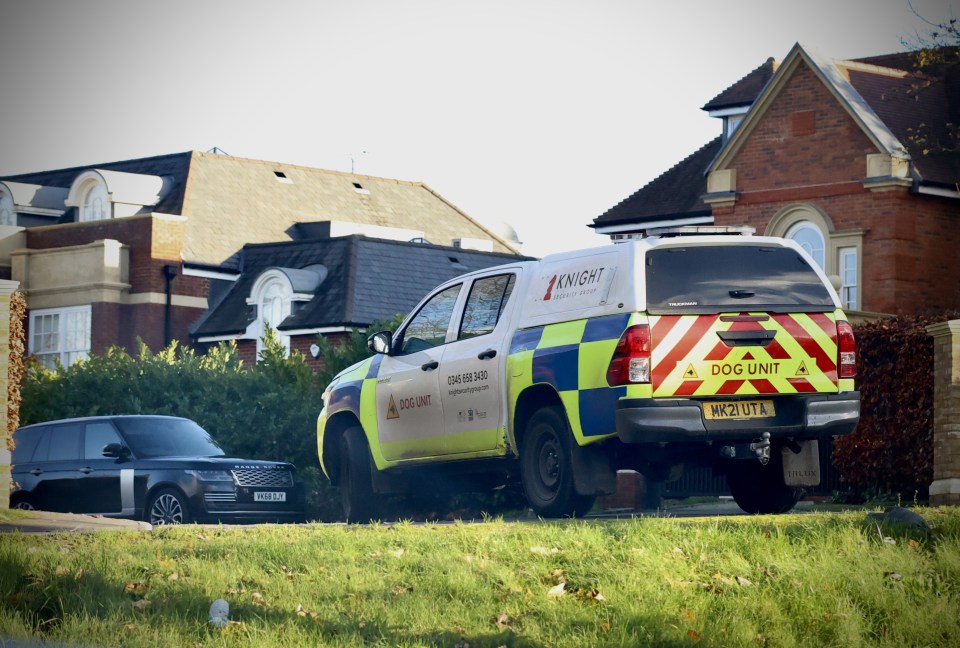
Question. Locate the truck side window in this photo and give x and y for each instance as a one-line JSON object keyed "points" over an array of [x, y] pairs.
{"points": [[428, 328], [487, 298]]}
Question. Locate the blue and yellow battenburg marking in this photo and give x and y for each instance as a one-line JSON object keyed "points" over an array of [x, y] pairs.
{"points": [[573, 358]]}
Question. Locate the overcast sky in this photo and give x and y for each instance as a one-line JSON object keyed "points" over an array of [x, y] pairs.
{"points": [[539, 113]]}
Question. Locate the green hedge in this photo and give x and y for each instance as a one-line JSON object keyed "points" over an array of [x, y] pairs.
{"points": [[891, 452]]}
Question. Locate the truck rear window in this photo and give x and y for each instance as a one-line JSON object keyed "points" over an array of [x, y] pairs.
{"points": [[726, 278]]}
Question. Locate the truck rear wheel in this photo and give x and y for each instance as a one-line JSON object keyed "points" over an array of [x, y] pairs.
{"points": [[760, 489], [546, 467], [356, 486]]}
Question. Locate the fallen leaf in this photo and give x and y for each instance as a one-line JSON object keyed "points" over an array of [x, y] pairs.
{"points": [[468, 558], [62, 571], [174, 576], [694, 635], [258, 599], [142, 604], [397, 553], [690, 616], [678, 552], [913, 545], [399, 590], [503, 620], [129, 627], [894, 576], [606, 625], [888, 540], [544, 550], [557, 590], [743, 581], [557, 573]]}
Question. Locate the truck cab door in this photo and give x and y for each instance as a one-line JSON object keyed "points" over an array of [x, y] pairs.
{"points": [[409, 409], [472, 371]]}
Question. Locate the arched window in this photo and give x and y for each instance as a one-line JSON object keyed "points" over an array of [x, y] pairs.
{"points": [[810, 239], [95, 203], [272, 295], [8, 211]]}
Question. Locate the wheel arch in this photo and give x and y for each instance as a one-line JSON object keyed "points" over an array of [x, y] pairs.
{"points": [[528, 403]]}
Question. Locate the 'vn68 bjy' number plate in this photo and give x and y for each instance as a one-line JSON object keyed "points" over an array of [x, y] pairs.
{"points": [[731, 410]]}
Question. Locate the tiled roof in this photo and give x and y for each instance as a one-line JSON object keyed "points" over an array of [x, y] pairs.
{"points": [[916, 107], [675, 194], [175, 166], [368, 279], [744, 91], [232, 201], [912, 109]]}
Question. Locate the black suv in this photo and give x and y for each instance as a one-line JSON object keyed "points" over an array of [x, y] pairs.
{"points": [[162, 469]]}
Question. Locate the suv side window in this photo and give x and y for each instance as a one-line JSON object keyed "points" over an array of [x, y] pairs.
{"points": [[429, 326], [97, 436], [62, 443], [26, 443], [487, 298]]}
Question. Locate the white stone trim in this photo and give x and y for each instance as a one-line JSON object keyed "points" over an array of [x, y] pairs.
{"points": [[945, 487]]}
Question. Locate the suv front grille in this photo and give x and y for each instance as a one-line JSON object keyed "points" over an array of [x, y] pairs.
{"points": [[264, 478]]}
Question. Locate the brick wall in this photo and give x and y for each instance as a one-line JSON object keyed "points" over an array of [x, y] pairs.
{"points": [[808, 150], [945, 488]]}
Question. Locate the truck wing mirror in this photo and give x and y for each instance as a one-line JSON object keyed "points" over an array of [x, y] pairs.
{"points": [[380, 342]]}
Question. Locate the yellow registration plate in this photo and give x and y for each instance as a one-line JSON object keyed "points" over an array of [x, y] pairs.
{"points": [[733, 410]]}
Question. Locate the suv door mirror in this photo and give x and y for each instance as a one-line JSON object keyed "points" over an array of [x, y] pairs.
{"points": [[380, 342], [116, 450]]}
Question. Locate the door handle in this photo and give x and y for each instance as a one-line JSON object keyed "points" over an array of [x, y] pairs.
{"points": [[486, 355], [87, 470], [430, 366], [36, 471]]}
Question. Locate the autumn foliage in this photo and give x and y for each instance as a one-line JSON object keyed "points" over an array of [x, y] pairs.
{"points": [[891, 451]]}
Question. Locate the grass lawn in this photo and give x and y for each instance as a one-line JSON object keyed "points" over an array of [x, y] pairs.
{"points": [[817, 579]]}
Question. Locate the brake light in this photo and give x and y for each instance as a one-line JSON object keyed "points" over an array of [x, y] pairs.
{"points": [[847, 350], [631, 359]]}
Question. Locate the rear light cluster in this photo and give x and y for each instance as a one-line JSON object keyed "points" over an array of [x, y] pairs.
{"points": [[847, 350], [631, 359]]}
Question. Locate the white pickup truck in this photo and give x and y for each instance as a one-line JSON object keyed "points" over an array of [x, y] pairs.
{"points": [[680, 349]]}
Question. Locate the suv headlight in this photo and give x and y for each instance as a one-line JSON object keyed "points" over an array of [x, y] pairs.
{"points": [[212, 475]]}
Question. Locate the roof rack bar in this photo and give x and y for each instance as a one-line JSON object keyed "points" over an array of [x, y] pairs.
{"points": [[689, 230]]}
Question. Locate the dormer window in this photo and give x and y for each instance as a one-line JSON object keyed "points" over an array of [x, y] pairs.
{"points": [[730, 125], [8, 212], [272, 295], [95, 204]]}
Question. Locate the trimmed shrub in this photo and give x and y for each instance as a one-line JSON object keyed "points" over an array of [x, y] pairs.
{"points": [[891, 452]]}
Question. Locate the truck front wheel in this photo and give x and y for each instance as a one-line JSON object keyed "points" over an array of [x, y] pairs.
{"points": [[356, 486], [546, 467]]}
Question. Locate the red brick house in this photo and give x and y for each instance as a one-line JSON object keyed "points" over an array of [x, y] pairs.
{"points": [[113, 252], [856, 160]]}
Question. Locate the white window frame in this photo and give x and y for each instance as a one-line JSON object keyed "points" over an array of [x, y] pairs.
{"points": [[848, 263], [275, 284], [95, 202], [8, 210], [60, 344]]}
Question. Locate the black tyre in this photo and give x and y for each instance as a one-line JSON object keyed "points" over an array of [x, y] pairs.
{"points": [[759, 489], [23, 502], [167, 506], [546, 467], [356, 487]]}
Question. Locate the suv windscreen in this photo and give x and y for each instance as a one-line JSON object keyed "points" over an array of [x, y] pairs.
{"points": [[160, 437], [727, 278]]}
